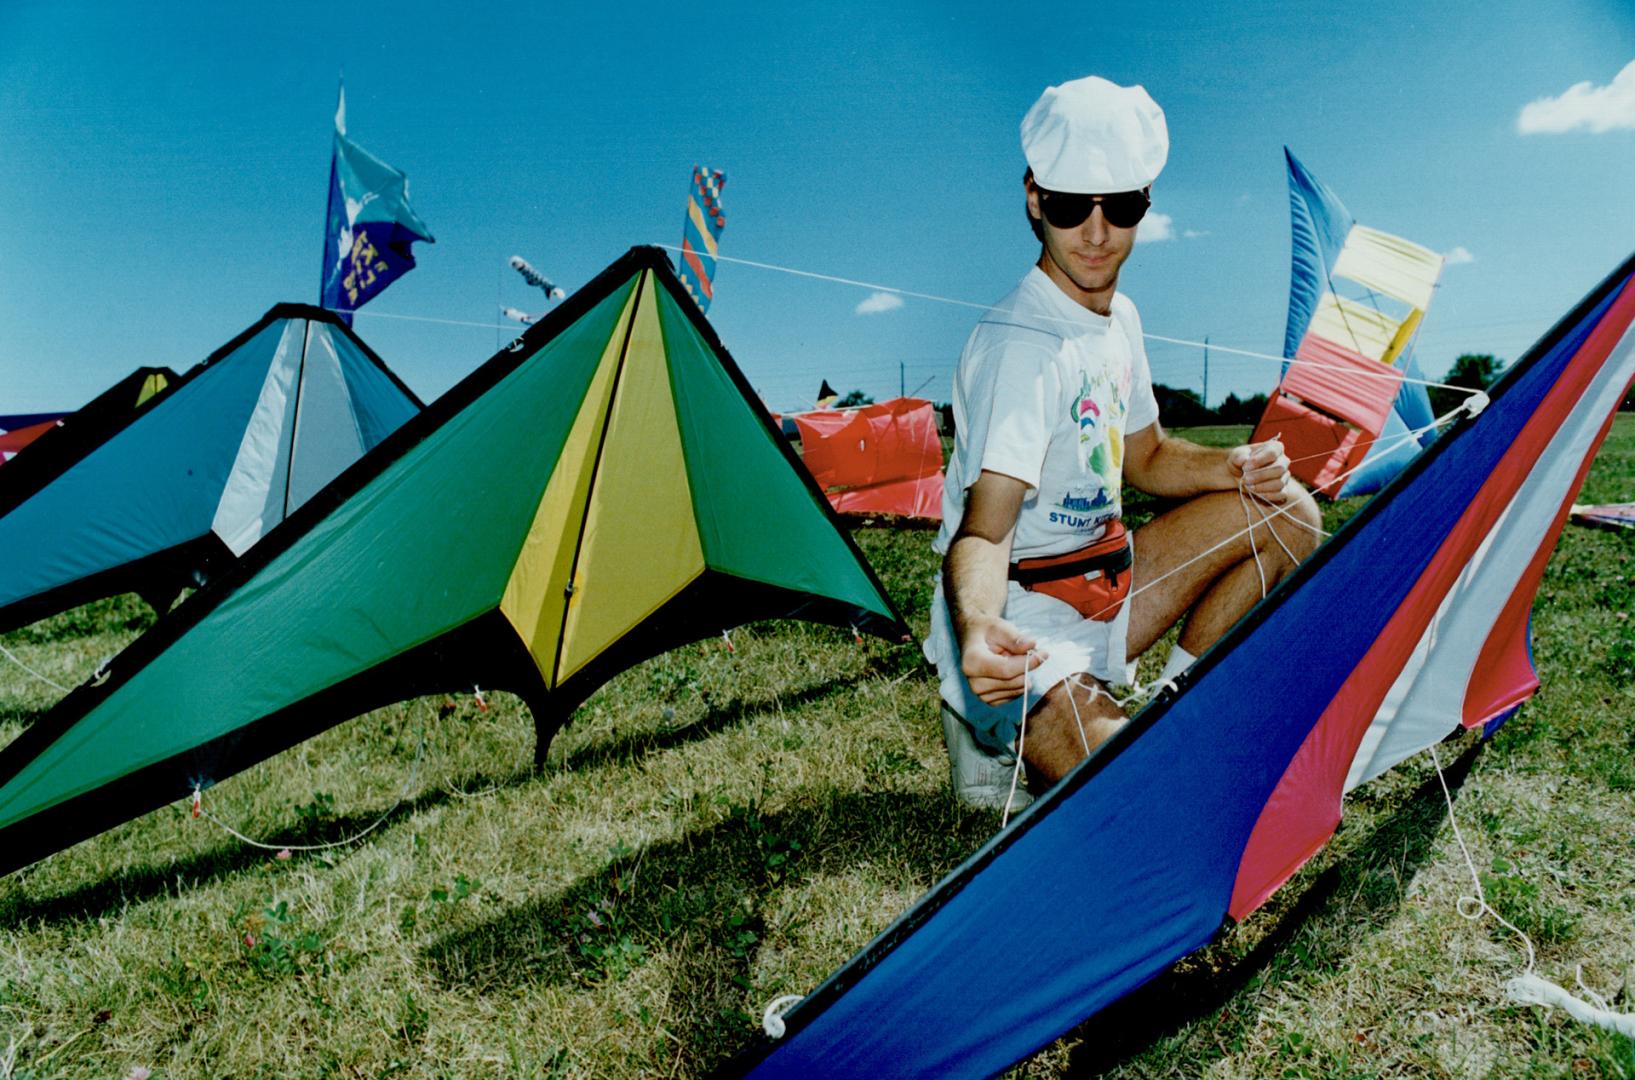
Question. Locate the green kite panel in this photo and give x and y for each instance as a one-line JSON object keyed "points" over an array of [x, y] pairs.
{"points": [[759, 527]]}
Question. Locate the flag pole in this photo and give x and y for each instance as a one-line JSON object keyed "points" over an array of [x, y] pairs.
{"points": [[329, 192]]}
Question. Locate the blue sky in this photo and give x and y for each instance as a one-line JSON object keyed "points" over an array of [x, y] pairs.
{"points": [[164, 168]]}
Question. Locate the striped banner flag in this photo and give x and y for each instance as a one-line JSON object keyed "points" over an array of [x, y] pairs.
{"points": [[700, 234]]}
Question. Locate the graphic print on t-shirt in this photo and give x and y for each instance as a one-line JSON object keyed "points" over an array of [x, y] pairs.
{"points": [[1098, 410]]}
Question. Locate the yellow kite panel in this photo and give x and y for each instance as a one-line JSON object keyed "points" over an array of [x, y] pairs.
{"points": [[151, 385], [535, 595], [641, 543], [1390, 265], [1354, 326]]}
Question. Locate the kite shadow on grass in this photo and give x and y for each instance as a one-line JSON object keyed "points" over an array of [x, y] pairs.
{"points": [[1342, 905], [623, 746], [134, 884], [708, 902]]}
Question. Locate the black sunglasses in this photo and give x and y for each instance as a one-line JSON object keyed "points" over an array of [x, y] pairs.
{"points": [[1067, 210]]}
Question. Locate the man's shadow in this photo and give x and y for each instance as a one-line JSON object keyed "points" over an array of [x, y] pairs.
{"points": [[1370, 882]]}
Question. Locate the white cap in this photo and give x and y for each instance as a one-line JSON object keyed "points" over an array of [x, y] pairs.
{"points": [[1094, 137]]}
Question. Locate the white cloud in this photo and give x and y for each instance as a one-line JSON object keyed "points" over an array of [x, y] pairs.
{"points": [[877, 302], [1584, 107], [1193, 234], [1458, 256], [1156, 227]]}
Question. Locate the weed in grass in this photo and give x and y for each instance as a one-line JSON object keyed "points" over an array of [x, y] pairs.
{"points": [[776, 851], [1617, 593], [462, 888], [742, 932], [275, 945], [608, 951], [440, 902], [1619, 662], [181, 981], [412, 1020], [890, 763], [320, 808]]}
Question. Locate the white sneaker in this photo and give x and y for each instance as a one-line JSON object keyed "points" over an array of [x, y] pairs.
{"points": [[981, 777]]}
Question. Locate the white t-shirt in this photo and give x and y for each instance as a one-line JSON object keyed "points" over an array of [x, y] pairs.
{"points": [[1045, 393]]}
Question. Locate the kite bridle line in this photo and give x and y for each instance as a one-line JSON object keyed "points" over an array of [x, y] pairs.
{"points": [[9, 655], [429, 319], [1529, 988], [1474, 907], [196, 803]]}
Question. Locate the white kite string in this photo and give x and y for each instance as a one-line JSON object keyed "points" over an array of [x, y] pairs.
{"points": [[43, 678], [1533, 990], [772, 1016], [1021, 740], [414, 771], [1254, 548], [1473, 406], [1529, 988], [1473, 907], [442, 322], [1084, 740], [1250, 354], [1074, 679], [1248, 500]]}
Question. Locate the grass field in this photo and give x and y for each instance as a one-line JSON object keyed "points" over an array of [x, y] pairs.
{"points": [[718, 828]]}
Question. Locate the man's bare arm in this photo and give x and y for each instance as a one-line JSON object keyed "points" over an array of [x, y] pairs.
{"points": [[993, 652], [1163, 465]]}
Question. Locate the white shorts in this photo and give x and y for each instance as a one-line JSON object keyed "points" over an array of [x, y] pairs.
{"points": [[1075, 644]]}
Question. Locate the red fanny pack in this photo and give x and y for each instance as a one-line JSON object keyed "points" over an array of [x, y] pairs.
{"points": [[1094, 579]]}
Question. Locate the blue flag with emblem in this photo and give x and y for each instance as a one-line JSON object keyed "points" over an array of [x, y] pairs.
{"points": [[369, 228]]}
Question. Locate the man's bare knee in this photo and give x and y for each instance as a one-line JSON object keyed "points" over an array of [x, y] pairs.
{"points": [[1070, 722], [1286, 535], [1305, 521], [1307, 512]]}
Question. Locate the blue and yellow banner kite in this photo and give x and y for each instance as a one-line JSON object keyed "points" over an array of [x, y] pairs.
{"points": [[370, 225]]}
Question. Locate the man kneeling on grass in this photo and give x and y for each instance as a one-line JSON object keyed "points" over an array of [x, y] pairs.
{"points": [[1053, 412]]}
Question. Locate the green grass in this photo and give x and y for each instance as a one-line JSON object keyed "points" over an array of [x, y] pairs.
{"points": [[715, 829]]}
